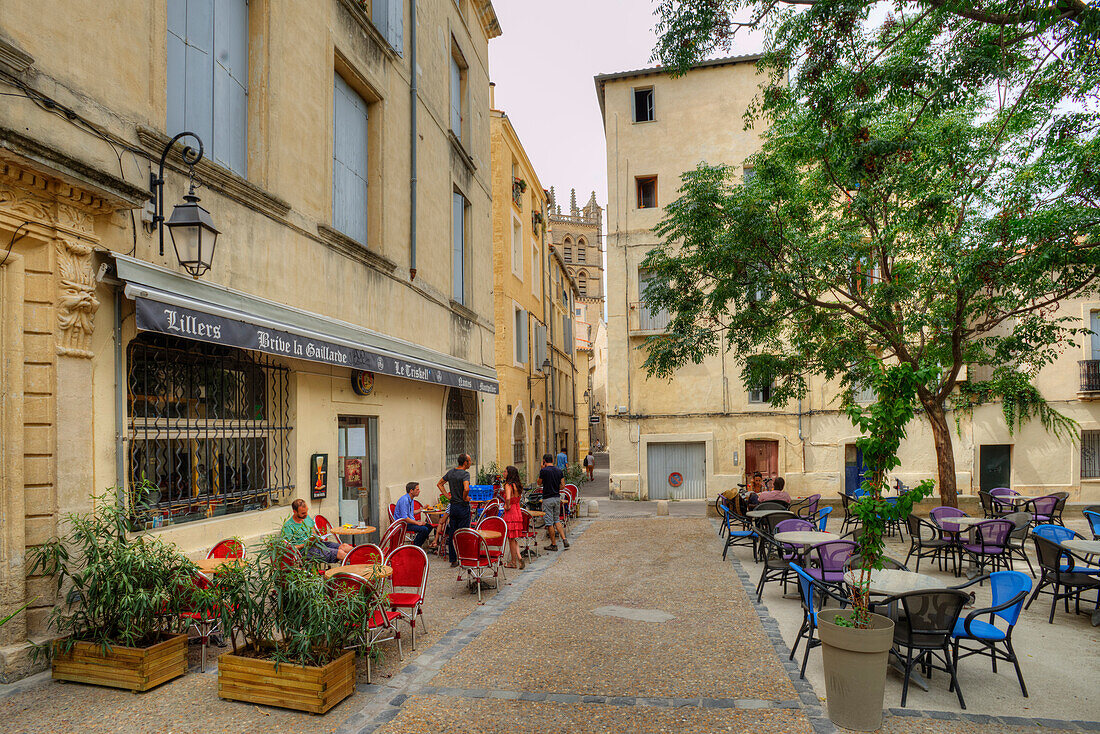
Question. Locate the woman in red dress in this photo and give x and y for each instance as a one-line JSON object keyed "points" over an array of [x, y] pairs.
{"points": [[513, 490]]}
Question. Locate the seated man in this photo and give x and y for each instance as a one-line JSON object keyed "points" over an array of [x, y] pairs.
{"points": [[404, 509], [300, 527]]}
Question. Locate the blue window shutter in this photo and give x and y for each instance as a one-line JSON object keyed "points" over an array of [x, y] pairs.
{"points": [[177, 64], [458, 252], [231, 84], [349, 161], [456, 98], [397, 25], [1094, 317]]}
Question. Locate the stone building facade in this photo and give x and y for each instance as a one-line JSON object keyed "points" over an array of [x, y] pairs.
{"points": [[534, 366], [341, 343], [702, 432]]}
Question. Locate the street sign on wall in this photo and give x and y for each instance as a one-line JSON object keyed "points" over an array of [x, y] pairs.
{"points": [[593, 419]]}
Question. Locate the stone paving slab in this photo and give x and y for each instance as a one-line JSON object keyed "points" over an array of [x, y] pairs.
{"points": [[550, 639], [448, 715]]}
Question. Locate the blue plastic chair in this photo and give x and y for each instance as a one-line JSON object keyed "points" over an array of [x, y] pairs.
{"points": [[1094, 523], [823, 518], [1010, 590], [810, 591], [1055, 533], [737, 536]]}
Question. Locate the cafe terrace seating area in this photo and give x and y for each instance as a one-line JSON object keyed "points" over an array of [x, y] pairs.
{"points": [[995, 612]]}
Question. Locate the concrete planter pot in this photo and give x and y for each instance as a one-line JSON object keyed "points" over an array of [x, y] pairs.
{"points": [[855, 669], [135, 668]]}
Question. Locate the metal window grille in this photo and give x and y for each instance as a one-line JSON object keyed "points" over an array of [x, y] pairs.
{"points": [[519, 446], [1090, 454], [461, 425], [208, 428]]}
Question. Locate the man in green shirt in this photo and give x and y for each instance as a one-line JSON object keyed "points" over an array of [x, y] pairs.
{"points": [[300, 527]]}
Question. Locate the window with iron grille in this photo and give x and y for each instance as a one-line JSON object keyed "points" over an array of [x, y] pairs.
{"points": [[461, 425], [1090, 454], [519, 446], [208, 429]]}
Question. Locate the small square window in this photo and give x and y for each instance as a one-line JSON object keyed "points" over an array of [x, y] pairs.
{"points": [[647, 192], [643, 105], [761, 395]]}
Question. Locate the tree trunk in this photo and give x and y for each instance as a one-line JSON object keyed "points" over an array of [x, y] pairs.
{"points": [[945, 454]]}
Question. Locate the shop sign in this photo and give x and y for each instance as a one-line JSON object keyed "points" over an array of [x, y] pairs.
{"points": [[318, 476], [185, 322]]}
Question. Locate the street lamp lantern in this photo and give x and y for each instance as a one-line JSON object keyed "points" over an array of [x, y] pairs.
{"points": [[193, 235], [586, 396], [191, 227]]}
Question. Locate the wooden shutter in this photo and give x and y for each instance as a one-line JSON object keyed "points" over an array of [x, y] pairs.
{"points": [[230, 69], [388, 17], [458, 250], [349, 161], [456, 98]]}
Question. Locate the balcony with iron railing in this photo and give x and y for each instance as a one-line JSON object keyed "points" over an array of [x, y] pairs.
{"points": [[1090, 379]]}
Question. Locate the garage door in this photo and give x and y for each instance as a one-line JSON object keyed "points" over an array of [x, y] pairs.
{"points": [[678, 470]]}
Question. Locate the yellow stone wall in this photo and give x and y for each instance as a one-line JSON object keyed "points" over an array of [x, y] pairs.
{"points": [[75, 196], [698, 118]]}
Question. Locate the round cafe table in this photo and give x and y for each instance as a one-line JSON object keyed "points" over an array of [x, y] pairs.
{"points": [[355, 533], [757, 514], [368, 571], [805, 538], [535, 513], [890, 581], [210, 565], [490, 534], [1080, 545], [961, 523]]}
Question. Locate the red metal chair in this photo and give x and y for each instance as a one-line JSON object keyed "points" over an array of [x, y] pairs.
{"points": [[410, 571], [473, 556], [324, 527], [367, 553], [228, 548], [206, 621], [495, 546], [418, 512], [380, 626], [392, 509], [394, 537], [566, 507], [528, 537]]}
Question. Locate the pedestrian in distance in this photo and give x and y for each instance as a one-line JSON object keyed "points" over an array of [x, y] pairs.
{"points": [[457, 480], [405, 509], [563, 460], [550, 478], [513, 515], [590, 464]]}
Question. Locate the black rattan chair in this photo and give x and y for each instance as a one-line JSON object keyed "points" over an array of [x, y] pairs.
{"points": [[922, 633], [927, 541], [1068, 578]]}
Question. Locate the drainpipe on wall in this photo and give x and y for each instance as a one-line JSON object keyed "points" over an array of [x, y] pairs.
{"points": [[120, 402], [414, 96], [546, 320]]}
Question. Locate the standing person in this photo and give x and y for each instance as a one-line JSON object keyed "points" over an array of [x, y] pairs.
{"points": [[589, 464], [550, 478], [405, 509], [563, 460], [458, 481], [513, 515], [299, 528]]}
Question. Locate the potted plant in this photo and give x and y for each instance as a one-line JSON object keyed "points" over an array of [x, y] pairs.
{"points": [[120, 596], [296, 626], [855, 642]]}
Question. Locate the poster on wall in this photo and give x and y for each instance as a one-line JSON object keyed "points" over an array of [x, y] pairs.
{"points": [[353, 473], [318, 476]]}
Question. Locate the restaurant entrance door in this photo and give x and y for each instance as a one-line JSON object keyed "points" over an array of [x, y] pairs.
{"points": [[358, 471]]}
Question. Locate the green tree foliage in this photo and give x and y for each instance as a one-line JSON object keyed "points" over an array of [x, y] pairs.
{"points": [[927, 192]]}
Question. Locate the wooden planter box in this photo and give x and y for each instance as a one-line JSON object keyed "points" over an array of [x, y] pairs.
{"points": [[315, 690], [135, 668]]}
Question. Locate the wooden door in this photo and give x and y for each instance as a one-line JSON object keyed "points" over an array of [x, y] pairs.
{"points": [[763, 457]]}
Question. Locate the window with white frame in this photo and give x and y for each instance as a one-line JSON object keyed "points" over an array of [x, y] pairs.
{"points": [[517, 248], [208, 77], [761, 394], [458, 247], [520, 340], [349, 161]]}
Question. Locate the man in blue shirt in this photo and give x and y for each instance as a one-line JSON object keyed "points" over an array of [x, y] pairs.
{"points": [[404, 509], [563, 460]]}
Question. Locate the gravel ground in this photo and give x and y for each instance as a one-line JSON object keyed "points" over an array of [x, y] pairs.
{"points": [[191, 703], [551, 640], [431, 714]]}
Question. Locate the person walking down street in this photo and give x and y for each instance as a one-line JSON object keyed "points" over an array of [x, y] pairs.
{"points": [[589, 465], [563, 460], [405, 509], [550, 478], [457, 480], [299, 528], [513, 515]]}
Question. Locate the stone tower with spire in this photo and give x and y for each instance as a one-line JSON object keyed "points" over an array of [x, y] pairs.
{"points": [[577, 235]]}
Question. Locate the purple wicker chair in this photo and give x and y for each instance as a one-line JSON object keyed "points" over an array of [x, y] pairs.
{"points": [[829, 559], [988, 544], [793, 525], [807, 507], [938, 515], [1042, 509]]}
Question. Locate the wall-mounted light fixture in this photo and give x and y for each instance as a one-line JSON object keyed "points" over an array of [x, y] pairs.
{"points": [[545, 373], [191, 227]]}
